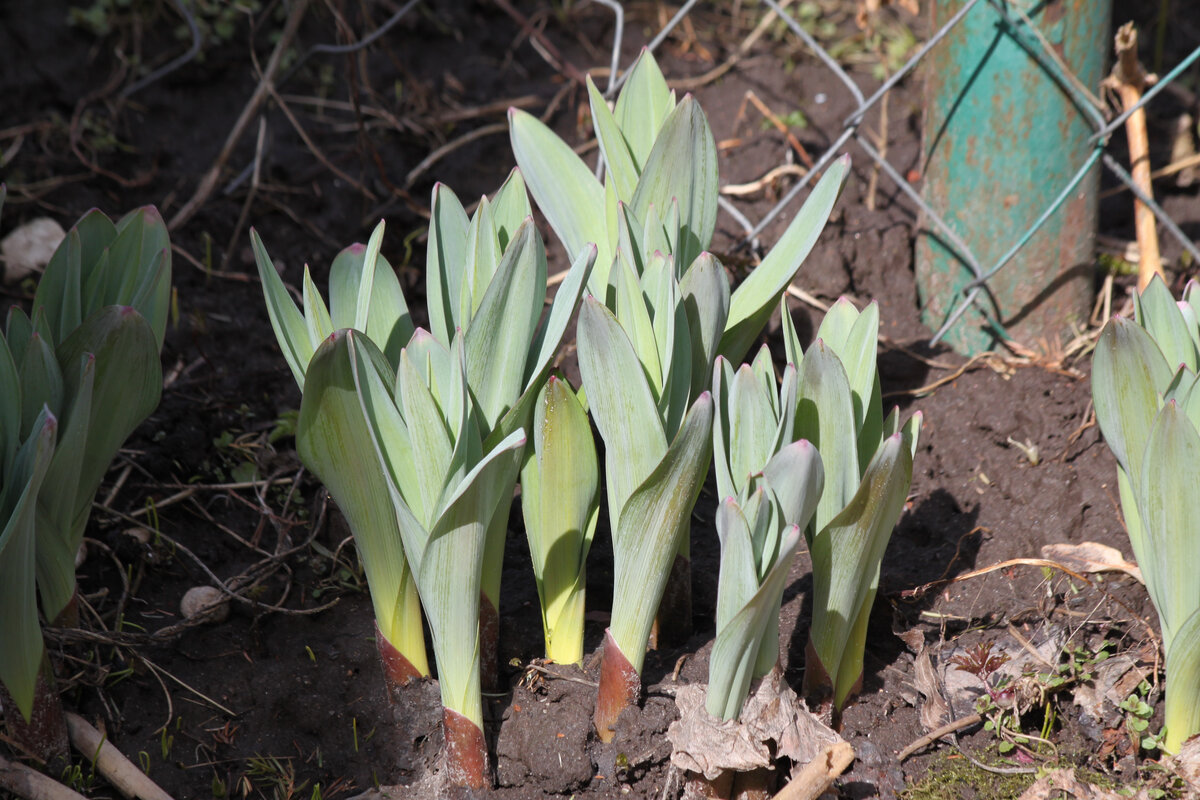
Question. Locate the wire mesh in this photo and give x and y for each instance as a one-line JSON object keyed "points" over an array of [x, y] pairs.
{"points": [[957, 241]]}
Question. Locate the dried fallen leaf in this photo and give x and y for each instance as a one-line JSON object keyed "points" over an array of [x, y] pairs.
{"points": [[1186, 764], [775, 723], [1091, 557], [1059, 783]]}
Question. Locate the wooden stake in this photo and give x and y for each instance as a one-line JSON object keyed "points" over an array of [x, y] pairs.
{"points": [[1129, 80], [818, 774]]}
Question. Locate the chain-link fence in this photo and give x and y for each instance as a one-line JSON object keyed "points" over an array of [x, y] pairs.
{"points": [[959, 242]]}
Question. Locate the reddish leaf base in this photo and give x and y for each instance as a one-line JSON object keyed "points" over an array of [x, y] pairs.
{"points": [[398, 671], [465, 752], [489, 645], [754, 785], [817, 687], [673, 624], [45, 735], [620, 687]]}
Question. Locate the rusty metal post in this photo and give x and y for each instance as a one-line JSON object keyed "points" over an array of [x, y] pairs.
{"points": [[1003, 136]]}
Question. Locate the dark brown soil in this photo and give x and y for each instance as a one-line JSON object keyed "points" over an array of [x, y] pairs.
{"points": [[276, 701]]}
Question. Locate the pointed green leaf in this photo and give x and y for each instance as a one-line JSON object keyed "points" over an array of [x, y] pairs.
{"points": [[316, 315], [41, 383], [643, 105], [825, 417], [737, 652], [752, 301], [291, 331], [1128, 372], [510, 208], [366, 284], [704, 289], [1158, 313], [560, 500], [389, 323], [565, 189], [621, 403], [61, 510], [651, 526], [796, 477], [617, 159], [335, 442], [94, 232], [499, 337], [846, 555], [566, 300], [1169, 507], [1182, 717], [445, 261], [685, 139], [21, 655]]}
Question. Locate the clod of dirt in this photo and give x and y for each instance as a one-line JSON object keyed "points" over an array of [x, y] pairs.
{"points": [[543, 738], [28, 248], [205, 603], [775, 723]]}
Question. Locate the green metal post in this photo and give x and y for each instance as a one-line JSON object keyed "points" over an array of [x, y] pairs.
{"points": [[1003, 138]]}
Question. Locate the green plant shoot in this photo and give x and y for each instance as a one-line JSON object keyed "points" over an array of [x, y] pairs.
{"points": [[1144, 376]]}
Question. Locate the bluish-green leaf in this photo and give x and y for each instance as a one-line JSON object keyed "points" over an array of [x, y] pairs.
{"points": [[445, 261], [682, 166], [336, 443], [643, 105], [621, 403], [651, 526], [617, 159], [565, 189], [21, 655], [825, 417], [291, 331], [1128, 372], [752, 301], [846, 555], [737, 654]]}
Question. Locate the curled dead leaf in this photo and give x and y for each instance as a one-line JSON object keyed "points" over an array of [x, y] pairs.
{"points": [[1091, 557], [774, 722]]}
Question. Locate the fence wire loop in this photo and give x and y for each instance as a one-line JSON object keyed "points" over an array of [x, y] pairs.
{"points": [[1019, 25]]}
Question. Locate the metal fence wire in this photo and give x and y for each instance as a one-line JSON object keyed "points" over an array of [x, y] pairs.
{"points": [[1020, 25]]}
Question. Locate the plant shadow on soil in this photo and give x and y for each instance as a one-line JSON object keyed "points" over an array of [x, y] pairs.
{"points": [[272, 705]]}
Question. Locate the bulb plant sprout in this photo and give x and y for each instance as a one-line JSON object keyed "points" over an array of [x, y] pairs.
{"points": [[1144, 378], [868, 470], [444, 485], [78, 375], [770, 486], [655, 151], [659, 199], [486, 276], [427, 527], [364, 294], [560, 485]]}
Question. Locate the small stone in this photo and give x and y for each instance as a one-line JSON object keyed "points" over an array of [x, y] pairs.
{"points": [[205, 603], [28, 248]]}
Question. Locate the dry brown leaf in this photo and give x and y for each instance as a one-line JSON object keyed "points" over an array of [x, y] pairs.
{"points": [[774, 713], [935, 712], [1186, 764], [1059, 783], [1091, 557]]}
